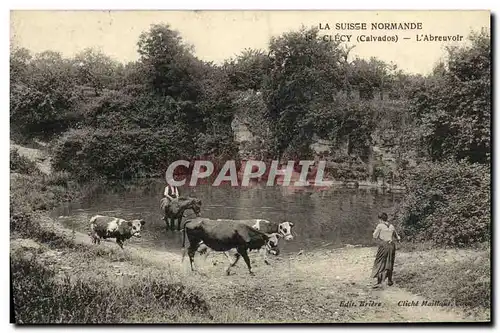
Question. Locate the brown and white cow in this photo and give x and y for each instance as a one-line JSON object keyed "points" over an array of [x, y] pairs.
{"points": [[223, 236], [268, 227], [112, 227]]}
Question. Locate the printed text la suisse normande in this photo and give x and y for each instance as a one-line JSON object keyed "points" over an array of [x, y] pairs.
{"points": [[372, 26]]}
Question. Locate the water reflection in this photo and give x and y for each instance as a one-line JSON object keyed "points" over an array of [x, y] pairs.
{"points": [[326, 218]]}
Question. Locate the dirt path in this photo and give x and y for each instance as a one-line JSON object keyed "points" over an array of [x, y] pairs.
{"points": [[312, 287]]}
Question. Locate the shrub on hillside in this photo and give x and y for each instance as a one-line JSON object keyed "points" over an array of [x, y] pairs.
{"points": [[32, 193], [448, 203], [89, 153], [21, 164]]}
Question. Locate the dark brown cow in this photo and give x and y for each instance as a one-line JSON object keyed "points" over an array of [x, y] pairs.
{"points": [[112, 227], [223, 236], [267, 227]]}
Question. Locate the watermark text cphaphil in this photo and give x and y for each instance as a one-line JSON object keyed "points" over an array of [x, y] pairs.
{"points": [[294, 173]]}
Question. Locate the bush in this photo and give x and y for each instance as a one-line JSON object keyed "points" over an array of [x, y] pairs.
{"points": [[31, 195], [44, 97], [89, 153], [39, 297], [35, 193], [21, 164], [347, 168], [448, 203]]}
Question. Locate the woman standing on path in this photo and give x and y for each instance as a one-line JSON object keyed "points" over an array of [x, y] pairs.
{"points": [[385, 234]]}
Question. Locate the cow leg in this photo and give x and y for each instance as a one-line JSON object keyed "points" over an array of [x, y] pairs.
{"points": [[179, 223], [94, 237], [207, 252], [191, 252], [263, 252], [165, 219], [228, 258], [243, 252], [119, 242], [237, 257]]}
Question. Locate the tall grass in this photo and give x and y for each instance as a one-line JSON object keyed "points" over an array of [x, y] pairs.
{"points": [[466, 282], [41, 297]]}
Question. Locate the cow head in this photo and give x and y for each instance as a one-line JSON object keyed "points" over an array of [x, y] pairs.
{"points": [[135, 227], [285, 229], [272, 243], [195, 205]]}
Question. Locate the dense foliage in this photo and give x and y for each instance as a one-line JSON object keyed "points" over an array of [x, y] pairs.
{"points": [[448, 203], [21, 164], [453, 106], [448, 199]]}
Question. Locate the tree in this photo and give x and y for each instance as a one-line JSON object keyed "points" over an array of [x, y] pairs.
{"points": [[248, 70], [304, 71], [216, 138], [454, 104], [96, 70], [402, 84], [43, 98], [170, 69], [172, 77], [19, 63], [369, 76]]}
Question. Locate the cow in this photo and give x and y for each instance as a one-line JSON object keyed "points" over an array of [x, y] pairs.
{"points": [[267, 227], [112, 227], [223, 236]]}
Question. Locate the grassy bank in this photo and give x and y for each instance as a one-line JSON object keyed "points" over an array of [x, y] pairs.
{"points": [[80, 285], [460, 276]]}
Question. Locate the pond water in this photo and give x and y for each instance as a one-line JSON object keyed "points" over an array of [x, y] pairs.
{"points": [[322, 219]]}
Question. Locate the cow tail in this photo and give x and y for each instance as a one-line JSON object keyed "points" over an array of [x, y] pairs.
{"points": [[183, 242], [184, 235]]}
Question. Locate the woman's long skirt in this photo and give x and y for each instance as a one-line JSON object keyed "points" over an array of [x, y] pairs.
{"points": [[384, 259]]}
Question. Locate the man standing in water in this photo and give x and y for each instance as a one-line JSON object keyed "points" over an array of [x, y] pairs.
{"points": [[385, 234]]}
